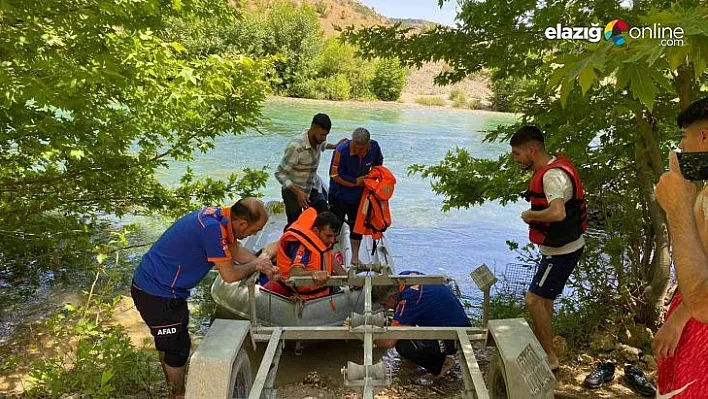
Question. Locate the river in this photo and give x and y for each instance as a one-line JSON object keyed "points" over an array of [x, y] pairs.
{"points": [[422, 237]]}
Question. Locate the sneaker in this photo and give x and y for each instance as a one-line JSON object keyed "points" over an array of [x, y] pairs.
{"points": [[603, 373], [634, 377]]}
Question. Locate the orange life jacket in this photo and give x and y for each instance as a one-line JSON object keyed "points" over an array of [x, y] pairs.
{"points": [[557, 234], [320, 254], [373, 216]]}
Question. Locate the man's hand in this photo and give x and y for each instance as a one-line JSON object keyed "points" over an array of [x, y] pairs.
{"points": [[526, 216], [265, 266], [360, 180], [301, 196], [674, 193], [666, 339], [320, 277]]}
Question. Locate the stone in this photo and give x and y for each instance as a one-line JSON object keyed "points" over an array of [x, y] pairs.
{"points": [[641, 336], [650, 362], [602, 342], [628, 353]]}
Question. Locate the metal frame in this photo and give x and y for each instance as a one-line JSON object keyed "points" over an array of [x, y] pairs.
{"points": [[370, 373]]}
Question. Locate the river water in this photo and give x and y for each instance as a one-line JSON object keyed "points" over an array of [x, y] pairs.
{"points": [[422, 236]]}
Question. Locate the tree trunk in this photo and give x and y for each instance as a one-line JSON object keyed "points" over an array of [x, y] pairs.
{"points": [[649, 167]]}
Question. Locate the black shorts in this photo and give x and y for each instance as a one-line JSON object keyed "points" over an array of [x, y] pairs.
{"points": [[552, 274], [168, 319], [342, 209]]}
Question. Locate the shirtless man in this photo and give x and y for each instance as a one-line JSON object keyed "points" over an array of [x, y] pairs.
{"points": [[681, 344]]}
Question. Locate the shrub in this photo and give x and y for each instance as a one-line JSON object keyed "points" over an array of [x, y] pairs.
{"points": [[389, 79], [458, 95], [335, 87], [506, 94], [431, 101], [322, 8], [474, 103]]}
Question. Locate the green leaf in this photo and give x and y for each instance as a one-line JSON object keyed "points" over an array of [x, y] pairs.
{"points": [[586, 78], [106, 376], [178, 47]]}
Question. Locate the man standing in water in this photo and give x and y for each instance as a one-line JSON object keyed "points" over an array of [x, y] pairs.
{"points": [[297, 172], [179, 260], [556, 220]]}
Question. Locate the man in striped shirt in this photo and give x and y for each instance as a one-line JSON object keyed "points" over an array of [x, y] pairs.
{"points": [[297, 171]]}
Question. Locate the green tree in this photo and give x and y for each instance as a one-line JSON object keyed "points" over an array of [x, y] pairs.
{"points": [[389, 79], [94, 102], [610, 108], [295, 35]]}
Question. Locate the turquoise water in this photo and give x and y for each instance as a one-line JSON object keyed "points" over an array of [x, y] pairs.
{"points": [[422, 236]]}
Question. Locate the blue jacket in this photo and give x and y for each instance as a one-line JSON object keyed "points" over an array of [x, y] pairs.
{"points": [[346, 166]]}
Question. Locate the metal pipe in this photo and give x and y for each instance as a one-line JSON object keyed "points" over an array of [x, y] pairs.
{"points": [[265, 367], [343, 333], [375, 280], [368, 343]]}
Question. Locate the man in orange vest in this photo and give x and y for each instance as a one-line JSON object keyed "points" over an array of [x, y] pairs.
{"points": [[305, 249], [557, 220]]}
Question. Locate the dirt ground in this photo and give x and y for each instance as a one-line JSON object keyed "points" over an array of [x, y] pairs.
{"points": [[316, 373]]}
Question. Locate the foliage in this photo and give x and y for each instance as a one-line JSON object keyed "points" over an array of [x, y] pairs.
{"points": [[609, 108], [431, 101], [389, 79], [295, 35], [322, 9], [96, 99], [93, 357], [503, 94], [459, 98]]}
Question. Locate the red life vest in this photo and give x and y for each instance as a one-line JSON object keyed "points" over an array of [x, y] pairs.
{"points": [[374, 216], [557, 234], [320, 254]]}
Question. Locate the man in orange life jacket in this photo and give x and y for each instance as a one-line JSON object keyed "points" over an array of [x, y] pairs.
{"points": [[556, 220], [179, 260], [305, 249], [350, 164]]}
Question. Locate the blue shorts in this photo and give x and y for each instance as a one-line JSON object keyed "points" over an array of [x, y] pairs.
{"points": [[552, 274]]}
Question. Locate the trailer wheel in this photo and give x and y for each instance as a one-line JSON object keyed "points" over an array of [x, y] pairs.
{"points": [[496, 377], [241, 379]]}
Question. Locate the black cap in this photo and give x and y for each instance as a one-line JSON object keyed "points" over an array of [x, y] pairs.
{"points": [[322, 121]]}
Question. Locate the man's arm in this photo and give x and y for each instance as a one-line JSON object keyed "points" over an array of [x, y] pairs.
{"points": [[337, 268], [338, 172], [389, 343], [231, 273], [331, 146], [690, 261], [554, 213], [282, 174], [676, 196], [249, 263]]}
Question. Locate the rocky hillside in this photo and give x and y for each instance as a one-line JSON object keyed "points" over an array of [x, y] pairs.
{"points": [[420, 87]]}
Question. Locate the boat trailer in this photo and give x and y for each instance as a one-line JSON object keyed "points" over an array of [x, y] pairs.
{"points": [[220, 367]]}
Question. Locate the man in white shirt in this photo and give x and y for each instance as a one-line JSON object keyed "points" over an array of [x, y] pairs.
{"points": [[297, 172], [557, 220]]}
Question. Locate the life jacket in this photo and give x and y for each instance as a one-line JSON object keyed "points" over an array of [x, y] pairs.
{"points": [[320, 254], [373, 216], [571, 228]]}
